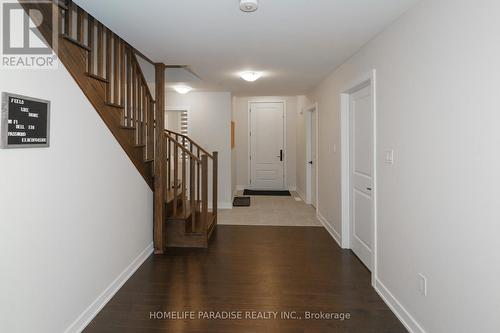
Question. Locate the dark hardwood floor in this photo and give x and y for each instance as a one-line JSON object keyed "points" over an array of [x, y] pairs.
{"points": [[251, 268]]}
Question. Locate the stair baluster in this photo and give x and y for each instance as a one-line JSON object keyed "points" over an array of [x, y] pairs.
{"points": [[176, 176], [68, 27], [108, 65], [128, 109], [79, 25], [100, 50], [90, 43]]}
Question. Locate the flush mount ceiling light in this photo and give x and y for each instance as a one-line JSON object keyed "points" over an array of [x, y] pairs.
{"points": [[250, 76], [182, 89], [249, 5]]}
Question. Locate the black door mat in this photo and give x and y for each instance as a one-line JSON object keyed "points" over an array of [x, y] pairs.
{"points": [[274, 193], [241, 202]]}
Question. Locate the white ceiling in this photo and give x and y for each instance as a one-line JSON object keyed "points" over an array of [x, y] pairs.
{"points": [[295, 42]]}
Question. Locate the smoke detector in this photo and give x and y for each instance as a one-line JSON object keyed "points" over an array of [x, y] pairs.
{"points": [[249, 5]]}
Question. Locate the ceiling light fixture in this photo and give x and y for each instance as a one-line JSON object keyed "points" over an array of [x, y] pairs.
{"points": [[182, 89], [250, 76], [249, 5]]}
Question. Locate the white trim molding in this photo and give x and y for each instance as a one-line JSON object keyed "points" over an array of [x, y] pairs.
{"points": [[403, 315], [93, 309], [222, 205], [301, 194], [334, 233], [365, 80], [309, 110]]}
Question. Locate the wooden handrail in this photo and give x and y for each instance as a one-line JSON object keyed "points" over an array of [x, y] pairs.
{"points": [[191, 141], [141, 73], [184, 149]]}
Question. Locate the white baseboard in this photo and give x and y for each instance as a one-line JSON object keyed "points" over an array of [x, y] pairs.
{"points": [[401, 313], [329, 228], [404, 316], [93, 309], [243, 187], [222, 205], [301, 195]]}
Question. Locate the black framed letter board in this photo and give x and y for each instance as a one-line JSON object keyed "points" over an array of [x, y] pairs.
{"points": [[25, 122]]}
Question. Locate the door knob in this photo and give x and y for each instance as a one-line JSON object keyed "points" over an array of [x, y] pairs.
{"points": [[310, 162]]}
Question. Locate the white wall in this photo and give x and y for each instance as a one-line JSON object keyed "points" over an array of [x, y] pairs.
{"points": [[240, 114], [73, 217], [210, 126], [438, 108], [302, 102]]}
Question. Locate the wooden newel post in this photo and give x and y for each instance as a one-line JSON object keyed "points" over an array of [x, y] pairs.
{"points": [[204, 190], [159, 229], [214, 184]]}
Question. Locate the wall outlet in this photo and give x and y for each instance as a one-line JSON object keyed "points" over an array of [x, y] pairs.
{"points": [[389, 156], [422, 284]]}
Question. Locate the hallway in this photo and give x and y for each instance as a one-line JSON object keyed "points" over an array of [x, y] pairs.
{"points": [[251, 268]]}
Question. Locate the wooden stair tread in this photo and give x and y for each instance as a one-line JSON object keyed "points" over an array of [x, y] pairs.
{"points": [[97, 77], [77, 43], [181, 214], [169, 196], [127, 127], [114, 105], [139, 146]]}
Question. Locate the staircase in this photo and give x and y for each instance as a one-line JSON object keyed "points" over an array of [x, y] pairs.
{"points": [[174, 166], [190, 223]]}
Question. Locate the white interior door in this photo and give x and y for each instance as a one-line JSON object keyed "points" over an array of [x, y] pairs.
{"points": [[312, 161], [267, 153], [361, 174]]}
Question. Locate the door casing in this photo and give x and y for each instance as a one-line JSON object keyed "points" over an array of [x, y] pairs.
{"points": [[363, 81], [308, 112]]}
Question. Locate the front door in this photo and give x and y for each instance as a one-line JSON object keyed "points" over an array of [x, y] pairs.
{"points": [[267, 155], [361, 174]]}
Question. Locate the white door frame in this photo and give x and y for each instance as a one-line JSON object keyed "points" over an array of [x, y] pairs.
{"points": [[308, 111], [365, 80], [249, 140]]}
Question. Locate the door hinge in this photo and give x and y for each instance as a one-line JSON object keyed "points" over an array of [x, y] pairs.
{"points": [[250, 157]]}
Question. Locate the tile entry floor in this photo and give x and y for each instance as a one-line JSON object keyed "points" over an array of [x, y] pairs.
{"points": [[272, 211]]}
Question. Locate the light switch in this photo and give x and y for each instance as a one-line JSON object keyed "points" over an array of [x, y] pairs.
{"points": [[422, 284], [389, 156]]}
